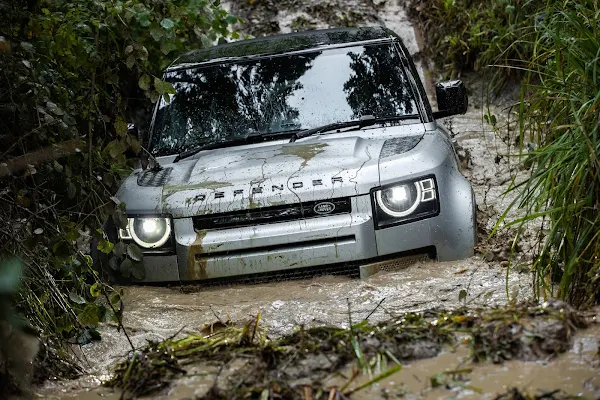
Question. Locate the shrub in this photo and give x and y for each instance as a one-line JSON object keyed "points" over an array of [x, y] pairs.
{"points": [[72, 75], [554, 48], [465, 35], [562, 116]]}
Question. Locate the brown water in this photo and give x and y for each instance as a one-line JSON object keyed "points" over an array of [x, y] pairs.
{"points": [[156, 312], [572, 372], [575, 372]]}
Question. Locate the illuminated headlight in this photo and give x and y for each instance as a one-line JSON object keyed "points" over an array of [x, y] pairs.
{"points": [[147, 232], [406, 202]]}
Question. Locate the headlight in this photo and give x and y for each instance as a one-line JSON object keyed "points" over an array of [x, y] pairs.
{"points": [[148, 232], [406, 202]]}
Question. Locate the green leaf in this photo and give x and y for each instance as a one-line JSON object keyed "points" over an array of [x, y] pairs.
{"points": [[72, 235], [167, 46], [462, 295], [130, 62], [143, 53], [231, 19], [163, 87], [126, 267], [167, 23], [115, 299], [109, 316], [84, 338], [144, 83], [71, 190], [53, 108], [113, 263], [115, 148], [134, 252], [120, 218], [144, 18], [138, 271], [121, 125], [10, 276], [96, 289], [206, 42], [27, 46], [156, 33], [119, 249], [77, 299], [105, 246], [88, 336], [134, 144]]}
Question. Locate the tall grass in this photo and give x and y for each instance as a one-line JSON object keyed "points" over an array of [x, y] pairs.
{"points": [[553, 46], [561, 114]]}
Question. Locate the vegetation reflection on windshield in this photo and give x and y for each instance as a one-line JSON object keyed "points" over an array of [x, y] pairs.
{"points": [[285, 93]]}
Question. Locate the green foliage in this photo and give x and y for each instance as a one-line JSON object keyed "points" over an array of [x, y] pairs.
{"points": [[74, 74], [554, 48], [561, 119], [473, 34]]}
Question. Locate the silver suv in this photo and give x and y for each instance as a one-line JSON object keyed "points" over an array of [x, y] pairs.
{"points": [[293, 154]]}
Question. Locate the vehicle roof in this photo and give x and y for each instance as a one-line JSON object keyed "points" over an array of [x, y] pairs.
{"points": [[284, 43]]}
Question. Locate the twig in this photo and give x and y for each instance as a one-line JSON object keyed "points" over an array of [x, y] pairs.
{"points": [[375, 309], [90, 125], [216, 316], [349, 315], [352, 378], [119, 319]]}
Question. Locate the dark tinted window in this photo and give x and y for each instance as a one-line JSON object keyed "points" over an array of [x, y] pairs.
{"points": [[283, 93]]}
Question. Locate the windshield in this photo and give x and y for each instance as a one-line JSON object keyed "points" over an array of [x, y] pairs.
{"points": [[279, 94]]}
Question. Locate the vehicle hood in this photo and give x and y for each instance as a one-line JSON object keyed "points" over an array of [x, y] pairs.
{"points": [[271, 174]]}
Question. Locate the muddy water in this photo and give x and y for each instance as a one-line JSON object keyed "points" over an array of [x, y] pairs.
{"points": [[571, 372], [156, 313], [153, 313], [575, 372]]}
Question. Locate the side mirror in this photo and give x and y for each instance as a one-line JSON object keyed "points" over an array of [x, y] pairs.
{"points": [[452, 99]]}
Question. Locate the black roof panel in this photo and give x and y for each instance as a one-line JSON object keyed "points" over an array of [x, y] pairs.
{"points": [[284, 43]]}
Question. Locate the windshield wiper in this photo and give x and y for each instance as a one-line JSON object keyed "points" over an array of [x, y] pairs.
{"points": [[365, 120], [251, 138]]}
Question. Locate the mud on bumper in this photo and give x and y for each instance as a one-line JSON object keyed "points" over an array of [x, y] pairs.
{"points": [[337, 244]]}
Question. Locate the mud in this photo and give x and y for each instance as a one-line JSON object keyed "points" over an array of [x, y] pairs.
{"points": [[156, 313], [442, 355]]}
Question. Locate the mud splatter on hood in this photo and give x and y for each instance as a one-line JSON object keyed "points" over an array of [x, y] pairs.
{"points": [[276, 173]]}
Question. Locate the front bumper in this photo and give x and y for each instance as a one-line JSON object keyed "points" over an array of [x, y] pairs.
{"points": [[324, 241]]}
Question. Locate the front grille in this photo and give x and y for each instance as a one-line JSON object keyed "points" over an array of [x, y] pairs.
{"points": [[268, 215]]}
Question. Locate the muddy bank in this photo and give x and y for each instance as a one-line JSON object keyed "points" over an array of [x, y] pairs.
{"points": [[475, 353]]}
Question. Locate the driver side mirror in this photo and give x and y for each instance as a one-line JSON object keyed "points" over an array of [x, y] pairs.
{"points": [[452, 98]]}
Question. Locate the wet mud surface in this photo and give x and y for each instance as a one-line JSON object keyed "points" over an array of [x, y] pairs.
{"points": [[157, 313], [467, 353]]}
